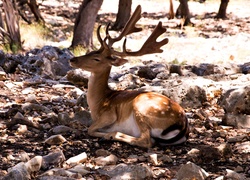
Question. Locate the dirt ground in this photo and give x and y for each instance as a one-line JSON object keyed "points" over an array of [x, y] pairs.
{"points": [[208, 41]]}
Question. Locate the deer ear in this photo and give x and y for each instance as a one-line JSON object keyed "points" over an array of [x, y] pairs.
{"points": [[118, 62]]}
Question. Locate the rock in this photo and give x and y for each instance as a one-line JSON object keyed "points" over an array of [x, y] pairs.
{"points": [[128, 81], [102, 152], [236, 101], [245, 68], [80, 158], [236, 104], [176, 69], [28, 90], [62, 173], [146, 72], [34, 164], [36, 80], [27, 107], [125, 172], [3, 75], [193, 153], [24, 157], [22, 129], [223, 151], [82, 101], [64, 119], [108, 160], [46, 177], [191, 171], [2, 57], [48, 62], [9, 63], [243, 147], [240, 138], [55, 140], [61, 129], [84, 117], [210, 157], [203, 69], [31, 98], [166, 159], [78, 77], [19, 171], [80, 168], [153, 159], [232, 175], [133, 158], [240, 121], [19, 116], [53, 159]]}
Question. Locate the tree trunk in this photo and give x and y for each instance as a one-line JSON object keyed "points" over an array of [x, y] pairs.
{"points": [[171, 9], [183, 12], [84, 23], [123, 14], [12, 24], [35, 10], [223, 9]]}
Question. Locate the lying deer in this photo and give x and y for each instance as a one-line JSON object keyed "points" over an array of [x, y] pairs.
{"points": [[135, 117]]}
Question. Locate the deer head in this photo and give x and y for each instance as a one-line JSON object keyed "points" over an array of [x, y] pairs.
{"points": [[107, 56]]}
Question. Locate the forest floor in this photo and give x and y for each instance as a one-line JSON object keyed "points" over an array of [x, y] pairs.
{"points": [[210, 40]]}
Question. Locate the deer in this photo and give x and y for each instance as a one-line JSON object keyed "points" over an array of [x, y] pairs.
{"points": [[136, 117]]}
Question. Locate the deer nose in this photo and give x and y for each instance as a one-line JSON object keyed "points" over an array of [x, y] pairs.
{"points": [[73, 60]]}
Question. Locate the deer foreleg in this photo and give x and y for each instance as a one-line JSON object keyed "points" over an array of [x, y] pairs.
{"points": [[143, 141]]}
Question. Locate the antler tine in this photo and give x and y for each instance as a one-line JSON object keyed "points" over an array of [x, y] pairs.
{"points": [[129, 27], [99, 38], [102, 42], [150, 46]]}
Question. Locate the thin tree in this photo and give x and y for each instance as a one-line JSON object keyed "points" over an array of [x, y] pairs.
{"points": [[183, 12], [171, 9], [33, 6], [123, 15], [12, 24], [222, 10], [84, 24]]}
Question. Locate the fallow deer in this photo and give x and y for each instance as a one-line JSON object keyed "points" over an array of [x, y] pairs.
{"points": [[135, 117]]}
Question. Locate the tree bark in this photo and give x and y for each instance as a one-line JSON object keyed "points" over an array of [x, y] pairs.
{"points": [[171, 9], [35, 10], [12, 24], [222, 10], [84, 23], [123, 14], [183, 12]]}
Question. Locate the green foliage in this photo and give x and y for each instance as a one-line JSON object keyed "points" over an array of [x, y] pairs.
{"points": [[177, 62], [15, 48]]}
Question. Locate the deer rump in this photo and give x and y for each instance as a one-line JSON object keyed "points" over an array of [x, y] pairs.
{"points": [[134, 116]]}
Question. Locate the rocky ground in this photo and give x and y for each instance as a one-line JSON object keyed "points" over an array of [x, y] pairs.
{"points": [[44, 115]]}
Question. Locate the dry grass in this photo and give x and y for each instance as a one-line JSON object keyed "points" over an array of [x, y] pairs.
{"points": [[190, 49]]}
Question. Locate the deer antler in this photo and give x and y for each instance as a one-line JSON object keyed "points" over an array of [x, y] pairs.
{"points": [[128, 28], [150, 46]]}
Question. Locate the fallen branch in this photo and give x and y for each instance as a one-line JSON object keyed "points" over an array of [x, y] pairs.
{"points": [[26, 122]]}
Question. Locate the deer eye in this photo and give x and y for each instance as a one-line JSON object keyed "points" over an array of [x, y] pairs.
{"points": [[96, 59]]}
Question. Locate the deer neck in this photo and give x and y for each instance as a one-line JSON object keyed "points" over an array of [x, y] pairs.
{"points": [[98, 89]]}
